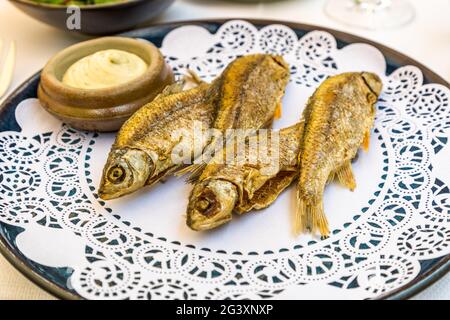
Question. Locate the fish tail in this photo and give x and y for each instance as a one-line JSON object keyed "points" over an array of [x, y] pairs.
{"points": [[311, 217], [300, 221], [345, 176], [366, 141]]}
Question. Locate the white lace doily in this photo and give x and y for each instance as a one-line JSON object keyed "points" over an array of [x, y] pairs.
{"points": [[138, 246]]}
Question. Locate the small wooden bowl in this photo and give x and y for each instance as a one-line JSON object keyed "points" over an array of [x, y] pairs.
{"points": [[102, 109]]}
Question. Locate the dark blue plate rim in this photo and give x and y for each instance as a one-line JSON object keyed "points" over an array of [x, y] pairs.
{"points": [[156, 33]]}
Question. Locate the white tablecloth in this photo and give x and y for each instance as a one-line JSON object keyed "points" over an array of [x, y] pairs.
{"points": [[426, 39]]}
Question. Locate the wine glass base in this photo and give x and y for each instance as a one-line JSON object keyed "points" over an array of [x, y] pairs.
{"points": [[371, 14]]}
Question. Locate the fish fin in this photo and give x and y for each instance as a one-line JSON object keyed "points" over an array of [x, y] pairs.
{"points": [[267, 193], [184, 170], [278, 112], [193, 77], [366, 141], [170, 89], [331, 177], [311, 218], [345, 176], [195, 171], [181, 171]]}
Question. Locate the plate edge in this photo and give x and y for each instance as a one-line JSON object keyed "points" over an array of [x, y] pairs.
{"points": [[404, 292]]}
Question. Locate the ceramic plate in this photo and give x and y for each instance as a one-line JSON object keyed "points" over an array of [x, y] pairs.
{"points": [[390, 237]]}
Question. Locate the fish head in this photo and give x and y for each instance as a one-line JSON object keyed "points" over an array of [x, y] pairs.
{"points": [[373, 81], [211, 204], [126, 170]]}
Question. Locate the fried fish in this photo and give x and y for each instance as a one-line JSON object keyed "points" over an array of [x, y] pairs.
{"points": [[141, 153], [250, 89], [338, 119], [252, 180], [245, 95]]}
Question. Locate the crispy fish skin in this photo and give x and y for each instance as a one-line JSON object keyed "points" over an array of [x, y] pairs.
{"points": [[338, 119], [243, 184], [141, 153], [251, 89]]}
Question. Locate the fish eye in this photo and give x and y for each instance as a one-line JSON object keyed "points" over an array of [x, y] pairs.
{"points": [[116, 174], [371, 98], [206, 204], [203, 205]]}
